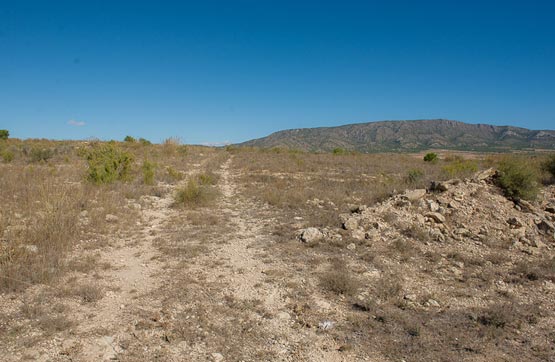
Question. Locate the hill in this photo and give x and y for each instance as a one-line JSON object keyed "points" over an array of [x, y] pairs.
{"points": [[416, 135]]}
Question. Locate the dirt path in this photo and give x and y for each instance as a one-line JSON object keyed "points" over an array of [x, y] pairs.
{"points": [[135, 272], [237, 270]]}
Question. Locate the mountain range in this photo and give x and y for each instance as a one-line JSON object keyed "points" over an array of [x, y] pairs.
{"points": [[406, 136]]}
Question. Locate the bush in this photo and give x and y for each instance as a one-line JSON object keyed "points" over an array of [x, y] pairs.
{"points": [[549, 165], [174, 174], [414, 176], [107, 164], [339, 151], [518, 178], [430, 157], [148, 172], [460, 167], [144, 142], [4, 134], [7, 156], [129, 139], [339, 280], [207, 178], [41, 154], [193, 194]]}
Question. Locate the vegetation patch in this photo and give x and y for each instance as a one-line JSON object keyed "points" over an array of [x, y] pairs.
{"points": [[108, 163]]}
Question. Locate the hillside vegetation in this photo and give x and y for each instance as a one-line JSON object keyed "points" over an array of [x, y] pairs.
{"points": [[401, 136]]}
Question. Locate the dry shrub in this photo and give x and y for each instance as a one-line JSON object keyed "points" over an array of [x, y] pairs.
{"points": [[338, 279], [45, 229]]}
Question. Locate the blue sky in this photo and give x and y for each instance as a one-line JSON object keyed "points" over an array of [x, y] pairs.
{"points": [[211, 71]]}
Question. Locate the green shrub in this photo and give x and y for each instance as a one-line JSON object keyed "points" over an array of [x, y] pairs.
{"points": [[460, 167], [193, 194], [414, 176], [107, 163], [174, 174], [39, 154], [518, 178], [148, 172], [129, 139], [430, 157], [144, 142], [207, 178], [7, 156], [549, 165], [339, 151], [4, 134]]}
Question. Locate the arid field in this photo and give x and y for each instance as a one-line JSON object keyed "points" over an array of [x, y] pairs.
{"points": [[133, 251]]}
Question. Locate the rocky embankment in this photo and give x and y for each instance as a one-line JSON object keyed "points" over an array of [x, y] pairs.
{"points": [[471, 210]]}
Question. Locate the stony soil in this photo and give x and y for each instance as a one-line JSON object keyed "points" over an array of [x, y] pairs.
{"points": [[214, 283]]}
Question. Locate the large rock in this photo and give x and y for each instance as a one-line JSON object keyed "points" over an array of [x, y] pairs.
{"points": [[310, 235], [546, 227], [414, 195], [350, 224], [484, 175], [436, 186], [436, 216]]}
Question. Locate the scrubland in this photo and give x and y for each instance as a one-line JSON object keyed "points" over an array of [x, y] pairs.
{"points": [[134, 251]]}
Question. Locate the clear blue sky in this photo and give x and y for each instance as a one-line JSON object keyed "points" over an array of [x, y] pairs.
{"points": [[210, 71]]}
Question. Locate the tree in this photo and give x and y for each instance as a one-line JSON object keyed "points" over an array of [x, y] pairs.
{"points": [[4, 134], [430, 157], [129, 139]]}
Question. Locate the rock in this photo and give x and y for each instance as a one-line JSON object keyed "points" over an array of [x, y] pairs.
{"points": [[525, 206], [283, 316], [550, 209], [436, 186], [217, 357], [326, 325], [111, 218], [352, 246], [410, 297], [414, 195], [513, 221], [31, 248], [437, 217], [437, 235], [359, 209], [350, 224], [433, 206], [432, 303], [484, 175], [310, 235], [546, 227], [358, 234]]}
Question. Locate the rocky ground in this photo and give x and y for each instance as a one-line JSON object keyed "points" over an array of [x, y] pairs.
{"points": [[453, 272]]}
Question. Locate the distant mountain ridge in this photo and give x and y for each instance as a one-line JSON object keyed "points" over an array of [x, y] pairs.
{"points": [[406, 136]]}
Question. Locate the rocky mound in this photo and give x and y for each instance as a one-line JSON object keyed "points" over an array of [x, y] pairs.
{"points": [[471, 210]]}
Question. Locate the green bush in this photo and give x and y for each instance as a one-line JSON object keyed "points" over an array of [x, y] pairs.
{"points": [[174, 174], [7, 156], [460, 167], [518, 178], [4, 134], [107, 163], [339, 151], [148, 172], [430, 157], [144, 142], [39, 154], [129, 139], [193, 194], [549, 165], [207, 178], [414, 176]]}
